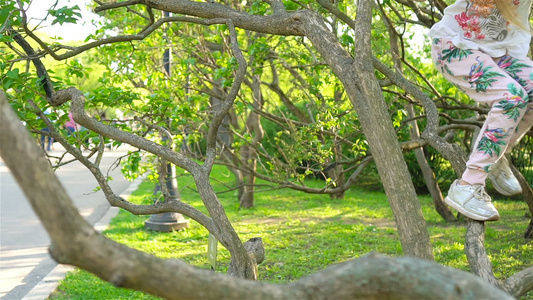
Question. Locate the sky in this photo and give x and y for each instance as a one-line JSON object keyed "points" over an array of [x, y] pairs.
{"points": [[69, 32]]}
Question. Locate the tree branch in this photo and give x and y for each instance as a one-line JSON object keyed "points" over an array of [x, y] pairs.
{"points": [[39, 66], [279, 23], [476, 254], [520, 283], [277, 6], [335, 11], [230, 99], [116, 39], [450, 151], [113, 5]]}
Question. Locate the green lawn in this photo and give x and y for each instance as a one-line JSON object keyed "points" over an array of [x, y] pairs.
{"points": [[304, 233]]}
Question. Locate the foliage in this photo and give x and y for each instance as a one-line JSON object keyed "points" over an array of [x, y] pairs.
{"points": [[65, 14], [127, 82]]}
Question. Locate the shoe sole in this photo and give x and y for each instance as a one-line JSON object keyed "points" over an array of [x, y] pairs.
{"points": [[469, 214], [500, 190]]}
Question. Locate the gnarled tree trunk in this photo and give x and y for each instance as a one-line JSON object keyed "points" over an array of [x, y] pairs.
{"points": [[427, 172], [249, 155], [358, 78]]}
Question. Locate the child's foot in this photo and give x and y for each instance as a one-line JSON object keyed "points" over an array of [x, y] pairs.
{"points": [[503, 179], [472, 201]]}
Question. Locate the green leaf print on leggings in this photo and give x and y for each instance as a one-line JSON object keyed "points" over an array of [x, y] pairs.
{"points": [[481, 76], [515, 102], [513, 67], [447, 55], [492, 140]]}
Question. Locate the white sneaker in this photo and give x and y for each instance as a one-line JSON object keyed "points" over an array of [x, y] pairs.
{"points": [[472, 201], [503, 179]]}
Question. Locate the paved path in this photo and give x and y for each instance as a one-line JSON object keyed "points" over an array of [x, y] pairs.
{"points": [[24, 259]]}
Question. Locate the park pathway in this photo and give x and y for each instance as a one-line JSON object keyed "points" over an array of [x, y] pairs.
{"points": [[24, 258]]}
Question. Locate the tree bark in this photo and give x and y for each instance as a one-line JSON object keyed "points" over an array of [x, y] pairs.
{"points": [[475, 251], [365, 93], [249, 156], [528, 198], [427, 172], [335, 171]]}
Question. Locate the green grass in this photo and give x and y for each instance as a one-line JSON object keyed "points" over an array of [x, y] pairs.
{"points": [[302, 234]]}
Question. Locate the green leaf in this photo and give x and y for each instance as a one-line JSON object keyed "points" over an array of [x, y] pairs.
{"points": [[5, 38], [4, 14], [290, 5], [347, 40], [7, 83], [13, 73], [65, 15]]}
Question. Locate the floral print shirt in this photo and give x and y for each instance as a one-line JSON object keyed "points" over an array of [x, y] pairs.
{"points": [[478, 25]]}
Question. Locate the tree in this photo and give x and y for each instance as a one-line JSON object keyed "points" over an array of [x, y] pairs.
{"points": [[75, 242], [353, 63]]}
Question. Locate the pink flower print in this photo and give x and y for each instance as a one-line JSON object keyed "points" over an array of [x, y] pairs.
{"points": [[462, 19], [475, 76], [470, 26]]}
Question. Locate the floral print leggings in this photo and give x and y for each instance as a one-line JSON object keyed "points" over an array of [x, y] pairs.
{"points": [[505, 84]]}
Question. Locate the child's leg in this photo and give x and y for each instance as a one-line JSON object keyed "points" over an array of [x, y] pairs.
{"points": [[480, 77], [522, 71]]}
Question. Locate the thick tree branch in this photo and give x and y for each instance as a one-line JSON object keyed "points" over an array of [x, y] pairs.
{"points": [[476, 254], [335, 11], [116, 39], [278, 24], [41, 70], [277, 6], [450, 151], [520, 283], [115, 200]]}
